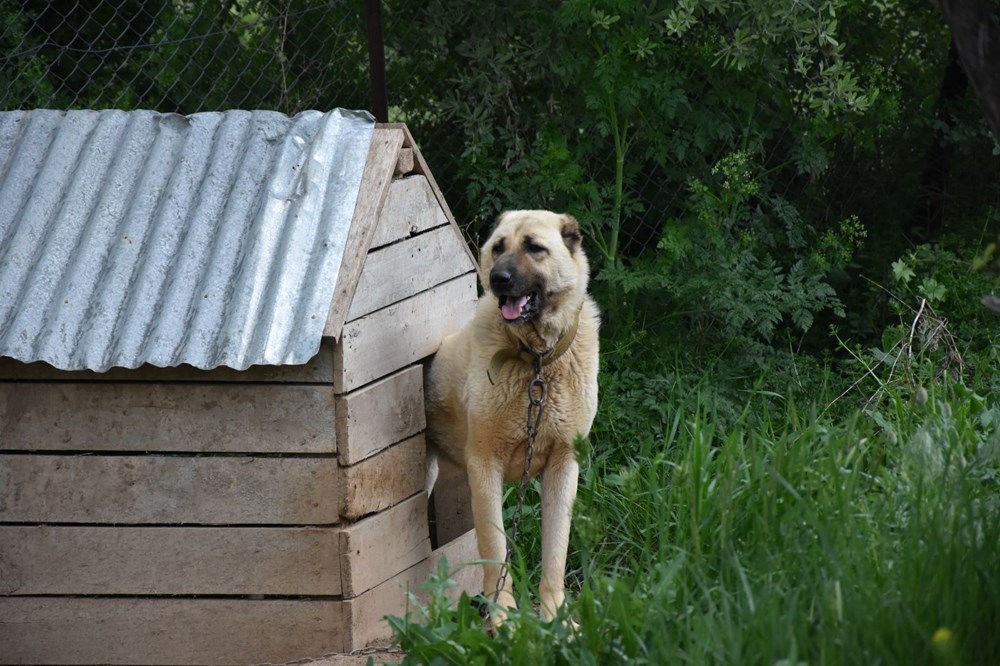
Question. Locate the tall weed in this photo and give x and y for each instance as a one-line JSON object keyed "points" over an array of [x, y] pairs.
{"points": [[779, 537]]}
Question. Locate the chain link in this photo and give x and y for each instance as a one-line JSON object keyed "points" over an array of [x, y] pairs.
{"points": [[360, 652], [536, 402]]}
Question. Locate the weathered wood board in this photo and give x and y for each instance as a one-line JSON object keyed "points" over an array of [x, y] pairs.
{"points": [[380, 414], [452, 503], [366, 614], [381, 343], [409, 209], [169, 490], [318, 370], [408, 267], [382, 481], [404, 162], [44, 630], [420, 167], [103, 416], [108, 560], [54, 630], [380, 546], [379, 168]]}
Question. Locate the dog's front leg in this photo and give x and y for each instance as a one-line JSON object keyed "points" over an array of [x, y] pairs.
{"points": [[486, 485], [559, 481]]}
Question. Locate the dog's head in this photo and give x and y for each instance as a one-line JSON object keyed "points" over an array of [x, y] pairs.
{"points": [[534, 264]]}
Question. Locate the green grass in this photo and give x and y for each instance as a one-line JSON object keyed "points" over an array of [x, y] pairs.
{"points": [[772, 537]]}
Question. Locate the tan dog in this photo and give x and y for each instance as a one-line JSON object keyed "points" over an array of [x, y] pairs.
{"points": [[535, 276]]}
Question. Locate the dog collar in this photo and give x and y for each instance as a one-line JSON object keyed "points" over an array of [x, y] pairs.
{"points": [[522, 353]]}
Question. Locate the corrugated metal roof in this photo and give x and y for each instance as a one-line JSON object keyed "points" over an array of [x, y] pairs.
{"points": [[138, 237]]}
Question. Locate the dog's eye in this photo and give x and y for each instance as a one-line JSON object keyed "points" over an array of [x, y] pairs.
{"points": [[534, 248], [497, 247]]}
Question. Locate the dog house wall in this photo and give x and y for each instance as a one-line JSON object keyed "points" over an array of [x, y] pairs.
{"points": [[181, 516]]}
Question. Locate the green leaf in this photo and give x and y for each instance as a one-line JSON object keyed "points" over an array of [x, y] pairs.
{"points": [[932, 290], [902, 272]]}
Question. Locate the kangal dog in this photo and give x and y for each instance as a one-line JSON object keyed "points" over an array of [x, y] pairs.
{"points": [[534, 274]]}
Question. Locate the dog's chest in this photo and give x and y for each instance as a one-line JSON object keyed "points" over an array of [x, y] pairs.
{"points": [[558, 427]]}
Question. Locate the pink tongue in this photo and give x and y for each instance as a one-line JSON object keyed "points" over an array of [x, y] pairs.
{"points": [[512, 310]]}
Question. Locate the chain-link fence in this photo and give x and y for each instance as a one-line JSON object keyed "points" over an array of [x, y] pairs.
{"points": [[187, 57], [182, 57], [504, 117]]}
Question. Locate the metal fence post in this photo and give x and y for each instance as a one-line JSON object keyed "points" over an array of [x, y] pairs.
{"points": [[376, 61]]}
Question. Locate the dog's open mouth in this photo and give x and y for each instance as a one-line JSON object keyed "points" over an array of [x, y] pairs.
{"points": [[519, 308]]}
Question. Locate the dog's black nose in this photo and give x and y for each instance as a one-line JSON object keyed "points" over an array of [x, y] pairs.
{"points": [[500, 278]]}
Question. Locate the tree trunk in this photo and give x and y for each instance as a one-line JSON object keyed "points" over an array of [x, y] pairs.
{"points": [[926, 218], [976, 35]]}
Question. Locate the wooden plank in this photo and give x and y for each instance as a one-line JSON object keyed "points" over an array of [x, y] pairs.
{"points": [[47, 630], [382, 481], [384, 341], [379, 167], [380, 414], [366, 614], [410, 208], [318, 370], [104, 416], [379, 547], [71, 560], [169, 490], [404, 164], [452, 502], [407, 268], [421, 167]]}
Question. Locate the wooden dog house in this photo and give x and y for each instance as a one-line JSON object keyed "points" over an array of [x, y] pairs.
{"points": [[158, 511]]}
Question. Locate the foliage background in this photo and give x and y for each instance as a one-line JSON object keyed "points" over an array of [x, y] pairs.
{"points": [[739, 166], [783, 203], [745, 170]]}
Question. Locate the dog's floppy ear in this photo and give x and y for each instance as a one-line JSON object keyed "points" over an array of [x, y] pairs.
{"points": [[571, 233]]}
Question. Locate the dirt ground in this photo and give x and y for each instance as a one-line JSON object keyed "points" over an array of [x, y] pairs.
{"points": [[359, 658]]}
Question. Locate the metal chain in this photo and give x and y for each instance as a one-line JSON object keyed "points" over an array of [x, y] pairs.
{"points": [[360, 652], [536, 401]]}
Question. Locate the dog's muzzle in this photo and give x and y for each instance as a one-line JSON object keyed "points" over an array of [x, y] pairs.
{"points": [[518, 302]]}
